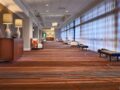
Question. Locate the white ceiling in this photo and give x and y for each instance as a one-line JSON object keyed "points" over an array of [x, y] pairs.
{"points": [[56, 9]]}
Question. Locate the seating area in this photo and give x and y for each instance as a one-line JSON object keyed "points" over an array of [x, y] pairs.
{"points": [[65, 42], [109, 54], [74, 44], [36, 44], [82, 46]]}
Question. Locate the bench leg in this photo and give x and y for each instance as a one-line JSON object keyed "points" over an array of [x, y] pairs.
{"points": [[106, 55], [117, 58], [99, 54], [110, 58], [82, 48]]}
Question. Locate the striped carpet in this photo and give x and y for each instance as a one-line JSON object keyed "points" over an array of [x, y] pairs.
{"points": [[60, 67]]}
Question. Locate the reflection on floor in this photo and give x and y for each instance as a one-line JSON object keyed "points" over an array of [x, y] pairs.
{"points": [[59, 67]]}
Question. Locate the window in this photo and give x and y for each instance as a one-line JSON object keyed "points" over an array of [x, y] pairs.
{"points": [[102, 8], [118, 34], [70, 34], [98, 27], [63, 35], [71, 24], [77, 21], [77, 33]]}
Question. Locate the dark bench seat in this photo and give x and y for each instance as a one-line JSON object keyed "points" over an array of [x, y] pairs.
{"points": [[82, 46], [109, 53]]}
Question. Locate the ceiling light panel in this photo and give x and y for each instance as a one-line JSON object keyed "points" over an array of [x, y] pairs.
{"points": [[54, 24]]}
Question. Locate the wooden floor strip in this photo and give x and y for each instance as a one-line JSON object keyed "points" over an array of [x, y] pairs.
{"points": [[60, 67]]}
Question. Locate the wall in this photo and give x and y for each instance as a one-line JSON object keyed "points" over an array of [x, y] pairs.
{"points": [[2, 26], [49, 33]]}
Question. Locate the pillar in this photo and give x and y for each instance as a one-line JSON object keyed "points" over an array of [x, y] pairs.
{"points": [[27, 33]]}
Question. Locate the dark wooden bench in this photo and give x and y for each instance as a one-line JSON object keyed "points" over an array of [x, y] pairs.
{"points": [[109, 53], [82, 46]]}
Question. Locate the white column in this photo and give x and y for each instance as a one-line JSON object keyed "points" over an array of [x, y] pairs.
{"points": [[27, 33]]}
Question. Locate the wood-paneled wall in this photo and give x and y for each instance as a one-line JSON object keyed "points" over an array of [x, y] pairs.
{"points": [[10, 49]]}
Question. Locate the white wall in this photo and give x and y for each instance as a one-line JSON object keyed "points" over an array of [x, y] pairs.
{"points": [[27, 33], [49, 33]]}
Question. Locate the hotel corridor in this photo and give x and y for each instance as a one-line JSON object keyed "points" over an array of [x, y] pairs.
{"points": [[60, 67]]}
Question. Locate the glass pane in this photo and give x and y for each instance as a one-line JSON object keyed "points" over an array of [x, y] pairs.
{"points": [[77, 34]]}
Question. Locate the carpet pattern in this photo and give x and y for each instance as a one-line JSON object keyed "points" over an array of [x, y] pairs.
{"points": [[60, 67]]}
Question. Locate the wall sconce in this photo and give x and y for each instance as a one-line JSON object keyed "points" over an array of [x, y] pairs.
{"points": [[18, 25], [8, 20]]}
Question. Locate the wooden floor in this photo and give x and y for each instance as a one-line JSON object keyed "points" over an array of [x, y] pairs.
{"points": [[60, 67]]}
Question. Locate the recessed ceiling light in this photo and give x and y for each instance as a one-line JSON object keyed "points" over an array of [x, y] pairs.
{"points": [[54, 24], [67, 11], [46, 5], [47, 11]]}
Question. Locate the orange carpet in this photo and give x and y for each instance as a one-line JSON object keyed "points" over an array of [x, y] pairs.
{"points": [[60, 67]]}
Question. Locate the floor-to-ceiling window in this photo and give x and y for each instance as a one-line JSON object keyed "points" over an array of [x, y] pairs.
{"points": [[99, 27], [71, 31], [68, 32], [118, 32], [77, 29], [70, 35], [63, 34]]}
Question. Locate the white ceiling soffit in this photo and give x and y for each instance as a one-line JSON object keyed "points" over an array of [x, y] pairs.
{"points": [[16, 7], [22, 6], [48, 11], [11, 5]]}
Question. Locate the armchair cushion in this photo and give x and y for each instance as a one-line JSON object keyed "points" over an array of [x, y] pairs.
{"points": [[74, 43], [40, 45]]}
